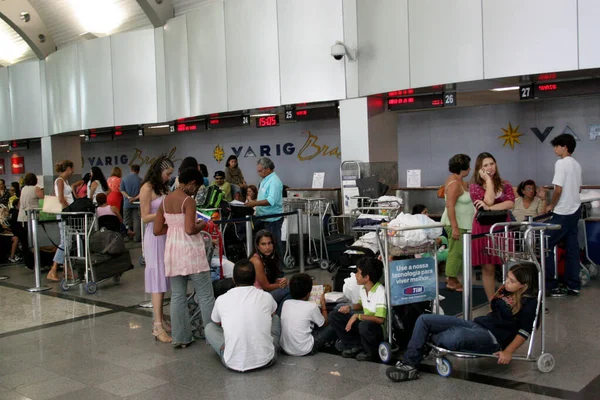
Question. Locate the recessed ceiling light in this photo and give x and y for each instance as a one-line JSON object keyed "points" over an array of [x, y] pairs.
{"points": [[505, 89], [42, 37], [25, 17]]}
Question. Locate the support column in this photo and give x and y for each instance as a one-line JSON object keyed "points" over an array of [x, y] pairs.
{"points": [[56, 149]]}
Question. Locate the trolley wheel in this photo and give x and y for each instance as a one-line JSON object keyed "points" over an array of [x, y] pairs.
{"points": [[90, 287], [386, 353], [443, 366], [584, 277], [289, 262], [142, 261], [310, 261], [545, 362], [593, 270], [117, 278], [324, 264], [64, 285]]}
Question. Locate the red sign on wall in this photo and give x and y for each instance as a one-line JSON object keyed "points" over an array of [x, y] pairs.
{"points": [[1, 166], [17, 165]]}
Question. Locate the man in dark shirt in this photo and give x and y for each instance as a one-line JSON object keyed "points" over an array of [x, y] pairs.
{"points": [[130, 187]]}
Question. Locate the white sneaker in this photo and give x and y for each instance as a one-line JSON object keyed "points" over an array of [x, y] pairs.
{"points": [[12, 259]]}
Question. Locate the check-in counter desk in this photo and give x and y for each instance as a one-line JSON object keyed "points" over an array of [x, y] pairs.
{"points": [[333, 194]]}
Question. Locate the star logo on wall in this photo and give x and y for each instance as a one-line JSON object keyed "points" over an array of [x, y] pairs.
{"points": [[511, 136], [218, 153]]}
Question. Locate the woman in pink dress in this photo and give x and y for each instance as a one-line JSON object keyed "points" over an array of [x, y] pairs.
{"points": [[488, 192], [115, 197], [185, 256], [152, 192]]}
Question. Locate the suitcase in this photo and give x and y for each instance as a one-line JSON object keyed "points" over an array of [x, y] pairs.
{"points": [[336, 245], [106, 266], [341, 274]]}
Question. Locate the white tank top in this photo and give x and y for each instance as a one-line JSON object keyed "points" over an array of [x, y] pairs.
{"points": [[98, 190], [67, 191]]}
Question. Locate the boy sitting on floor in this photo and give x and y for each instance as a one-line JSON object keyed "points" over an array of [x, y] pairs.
{"points": [[304, 328], [361, 334]]}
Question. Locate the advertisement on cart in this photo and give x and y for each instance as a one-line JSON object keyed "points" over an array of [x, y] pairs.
{"points": [[412, 281]]}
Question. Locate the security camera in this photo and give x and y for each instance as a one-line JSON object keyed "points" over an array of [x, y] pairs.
{"points": [[339, 50]]}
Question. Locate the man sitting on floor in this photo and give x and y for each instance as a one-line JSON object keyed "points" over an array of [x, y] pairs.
{"points": [[245, 332]]}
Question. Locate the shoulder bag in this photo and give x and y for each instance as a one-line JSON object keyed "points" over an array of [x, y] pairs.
{"points": [[491, 217]]}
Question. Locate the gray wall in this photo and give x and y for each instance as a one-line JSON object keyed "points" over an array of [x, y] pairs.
{"points": [[292, 170], [32, 158], [426, 140]]}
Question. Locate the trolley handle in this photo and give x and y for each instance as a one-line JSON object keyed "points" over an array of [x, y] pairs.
{"points": [[538, 226]]}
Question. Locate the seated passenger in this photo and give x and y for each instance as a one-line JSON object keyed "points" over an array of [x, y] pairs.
{"points": [[531, 201], [106, 209], [304, 328], [245, 332], [420, 209], [224, 186], [8, 238], [361, 333], [266, 263], [500, 332]]}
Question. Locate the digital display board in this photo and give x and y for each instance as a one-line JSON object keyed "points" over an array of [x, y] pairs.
{"points": [[227, 122], [550, 90], [420, 102], [267, 121]]}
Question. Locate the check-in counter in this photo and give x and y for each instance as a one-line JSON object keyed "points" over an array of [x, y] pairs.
{"points": [[333, 194], [422, 195]]}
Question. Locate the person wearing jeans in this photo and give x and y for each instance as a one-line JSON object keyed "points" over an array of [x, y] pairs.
{"points": [[180, 316], [566, 209]]}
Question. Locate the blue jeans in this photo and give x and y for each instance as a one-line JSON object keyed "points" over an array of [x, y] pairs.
{"points": [[216, 338], [59, 256], [365, 334], [568, 232], [323, 336], [280, 296], [180, 315], [451, 333]]}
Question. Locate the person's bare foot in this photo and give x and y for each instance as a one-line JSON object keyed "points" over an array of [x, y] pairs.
{"points": [[53, 276]]}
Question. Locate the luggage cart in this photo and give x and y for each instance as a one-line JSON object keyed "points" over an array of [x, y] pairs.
{"points": [[78, 227], [526, 246], [590, 228], [406, 292]]}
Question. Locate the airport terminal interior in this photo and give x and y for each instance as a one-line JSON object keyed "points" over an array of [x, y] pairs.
{"points": [[349, 121]]}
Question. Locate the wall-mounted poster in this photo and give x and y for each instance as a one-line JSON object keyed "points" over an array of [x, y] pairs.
{"points": [[17, 165]]}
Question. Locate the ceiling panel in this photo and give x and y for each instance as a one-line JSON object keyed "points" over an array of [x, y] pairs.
{"points": [[183, 6], [13, 48], [64, 24]]}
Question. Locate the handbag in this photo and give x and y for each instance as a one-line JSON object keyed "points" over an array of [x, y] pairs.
{"points": [[441, 192], [491, 217], [52, 205], [81, 205]]}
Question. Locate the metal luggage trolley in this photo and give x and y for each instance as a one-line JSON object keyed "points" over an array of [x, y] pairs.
{"points": [[311, 206], [78, 228], [531, 246], [407, 281]]}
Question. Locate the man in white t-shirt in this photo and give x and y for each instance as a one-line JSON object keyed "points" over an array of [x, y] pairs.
{"points": [[304, 328], [566, 209], [245, 332]]}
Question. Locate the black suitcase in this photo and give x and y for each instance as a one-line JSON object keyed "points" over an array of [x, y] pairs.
{"points": [[341, 274], [106, 266], [336, 245]]}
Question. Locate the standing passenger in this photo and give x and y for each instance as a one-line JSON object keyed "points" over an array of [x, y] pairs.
{"points": [[97, 184], [457, 217], [115, 197], [185, 256], [152, 192], [488, 192], [130, 188]]}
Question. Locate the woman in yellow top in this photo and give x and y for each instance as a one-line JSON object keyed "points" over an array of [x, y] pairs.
{"points": [[458, 216], [531, 201]]}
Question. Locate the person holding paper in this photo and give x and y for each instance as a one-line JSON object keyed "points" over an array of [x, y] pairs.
{"points": [[304, 327]]}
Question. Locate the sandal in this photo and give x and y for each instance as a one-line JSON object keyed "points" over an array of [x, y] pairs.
{"points": [[159, 333], [166, 326], [457, 287]]}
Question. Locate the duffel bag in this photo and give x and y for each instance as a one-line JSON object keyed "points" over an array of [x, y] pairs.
{"points": [[105, 241]]}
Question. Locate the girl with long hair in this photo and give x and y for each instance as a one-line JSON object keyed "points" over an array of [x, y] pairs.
{"points": [[488, 192], [185, 255], [64, 193], [234, 175], [506, 328], [266, 263], [80, 187], [154, 189], [97, 184]]}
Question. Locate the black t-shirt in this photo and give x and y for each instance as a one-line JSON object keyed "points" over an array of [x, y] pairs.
{"points": [[503, 324]]}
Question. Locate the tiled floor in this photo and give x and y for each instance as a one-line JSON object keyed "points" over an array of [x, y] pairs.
{"points": [[71, 345]]}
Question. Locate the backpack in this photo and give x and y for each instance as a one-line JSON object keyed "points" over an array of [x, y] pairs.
{"points": [[353, 254], [81, 205], [404, 319], [106, 241], [213, 197]]}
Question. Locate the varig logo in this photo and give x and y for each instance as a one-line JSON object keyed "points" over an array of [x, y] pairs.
{"points": [[218, 153]]}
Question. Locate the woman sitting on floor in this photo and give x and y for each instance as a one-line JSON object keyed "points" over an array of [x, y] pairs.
{"points": [[500, 332]]}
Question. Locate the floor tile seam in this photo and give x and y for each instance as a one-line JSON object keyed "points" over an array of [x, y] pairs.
{"points": [[64, 322]]}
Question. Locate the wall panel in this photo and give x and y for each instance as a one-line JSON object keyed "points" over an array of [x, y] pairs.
{"points": [[383, 63], [588, 15], [207, 60], [134, 77], [445, 41], [95, 73], [26, 100], [176, 68], [528, 37], [308, 71], [252, 54], [5, 123], [62, 85]]}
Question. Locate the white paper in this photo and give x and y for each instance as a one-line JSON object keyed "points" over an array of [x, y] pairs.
{"points": [[413, 178], [318, 180], [316, 293], [40, 181], [350, 203]]}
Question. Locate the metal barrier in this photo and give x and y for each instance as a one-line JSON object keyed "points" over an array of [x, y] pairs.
{"points": [[33, 233], [467, 277]]}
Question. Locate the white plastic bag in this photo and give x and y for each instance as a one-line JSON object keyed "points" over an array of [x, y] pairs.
{"points": [[351, 289], [415, 237]]}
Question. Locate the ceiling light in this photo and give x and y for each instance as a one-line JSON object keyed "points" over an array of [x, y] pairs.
{"points": [[81, 135], [42, 37], [158, 126], [98, 16], [12, 45], [262, 115], [505, 89], [25, 17]]}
